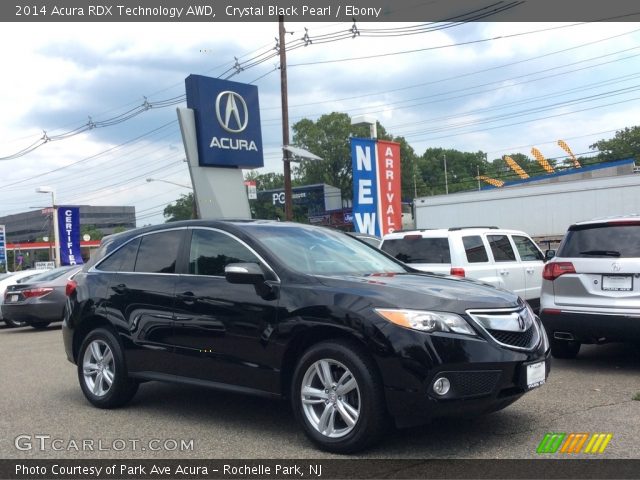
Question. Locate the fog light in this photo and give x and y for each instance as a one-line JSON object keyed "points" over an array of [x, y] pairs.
{"points": [[441, 386]]}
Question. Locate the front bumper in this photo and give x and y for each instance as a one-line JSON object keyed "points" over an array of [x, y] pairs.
{"points": [[484, 376], [592, 327]]}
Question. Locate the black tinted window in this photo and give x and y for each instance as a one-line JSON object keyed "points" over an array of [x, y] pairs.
{"points": [[211, 251], [501, 248], [527, 249], [620, 241], [474, 248], [418, 250], [122, 260], [158, 252]]}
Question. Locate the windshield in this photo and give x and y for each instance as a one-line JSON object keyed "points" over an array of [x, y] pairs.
{"points": [[319, 251]]}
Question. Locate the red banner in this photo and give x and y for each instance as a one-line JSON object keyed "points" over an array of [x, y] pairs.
{"points": [[389, 189]]}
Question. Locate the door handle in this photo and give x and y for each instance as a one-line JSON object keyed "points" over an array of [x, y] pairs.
{"points": [[121, 289], [529, 270], [188, 298], [504, 272]]}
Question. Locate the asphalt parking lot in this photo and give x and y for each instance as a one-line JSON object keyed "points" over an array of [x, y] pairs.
{"points": [[40, 396]]}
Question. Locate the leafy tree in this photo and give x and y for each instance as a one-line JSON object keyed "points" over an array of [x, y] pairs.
{"points": [[265, 181], [92, 231], [119, 229], [624, 144], [182, 209]]}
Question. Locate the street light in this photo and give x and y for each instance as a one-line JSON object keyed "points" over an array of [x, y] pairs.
{"points": [[56, 234], [194, 213]]}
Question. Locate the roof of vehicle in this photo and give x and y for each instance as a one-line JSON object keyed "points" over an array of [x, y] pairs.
{"points": [[618, 218], [445, 232]]}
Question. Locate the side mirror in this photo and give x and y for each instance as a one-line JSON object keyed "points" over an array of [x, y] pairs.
{"points": [[549, 254], [244, 273]]}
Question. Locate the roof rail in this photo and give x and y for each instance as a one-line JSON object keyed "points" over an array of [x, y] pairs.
{"points": [[493, 227]]}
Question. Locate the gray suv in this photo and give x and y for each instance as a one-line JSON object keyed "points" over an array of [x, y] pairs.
{"points": [[591, 288]]}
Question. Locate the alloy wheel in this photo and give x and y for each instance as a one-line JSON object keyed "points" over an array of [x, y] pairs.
{"points": [[98, 368]]}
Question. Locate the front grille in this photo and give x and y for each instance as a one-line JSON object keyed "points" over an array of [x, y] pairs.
{"points": [[515, 339], [471, 383], [505, 326]]}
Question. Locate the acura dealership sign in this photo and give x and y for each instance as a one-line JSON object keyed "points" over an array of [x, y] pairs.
{"points": [[227, 116]]}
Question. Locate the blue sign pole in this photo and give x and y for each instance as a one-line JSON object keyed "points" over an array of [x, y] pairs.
{"points": [[69, 234]]}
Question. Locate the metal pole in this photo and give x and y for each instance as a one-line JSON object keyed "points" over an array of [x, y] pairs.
{"points": [[446, 180], [288, 204], [478, 176], [56, 234]]}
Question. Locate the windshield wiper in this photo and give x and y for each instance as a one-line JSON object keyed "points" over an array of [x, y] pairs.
{"points": [[606, 253]]}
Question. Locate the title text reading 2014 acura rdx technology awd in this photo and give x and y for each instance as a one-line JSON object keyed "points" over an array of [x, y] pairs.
{"points": [[350, 335]]}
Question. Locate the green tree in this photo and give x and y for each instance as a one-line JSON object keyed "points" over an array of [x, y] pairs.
{"points": [[265, 181], [181, 209], [92, 231], [328, 137], [624, 144], [119, 229]]}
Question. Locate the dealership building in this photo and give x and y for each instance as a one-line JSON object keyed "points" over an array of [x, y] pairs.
{"points": [[29, 226]]}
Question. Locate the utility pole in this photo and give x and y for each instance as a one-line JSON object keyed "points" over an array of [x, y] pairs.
{"points": [[446, 179], [288, 204], [478, 176]]}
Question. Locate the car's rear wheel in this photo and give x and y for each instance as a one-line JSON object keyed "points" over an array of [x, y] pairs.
{"points": [[102, 371], [338, 398], [14, 323], [564, 348]]}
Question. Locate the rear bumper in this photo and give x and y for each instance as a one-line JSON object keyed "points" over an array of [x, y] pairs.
{"points": [[33, 312], [592, 327]]}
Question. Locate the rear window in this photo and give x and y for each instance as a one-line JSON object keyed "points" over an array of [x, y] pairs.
{"points": [[418, 249], [605, 240]]}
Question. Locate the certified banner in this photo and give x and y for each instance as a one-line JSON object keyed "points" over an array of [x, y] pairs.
{"points": [[389, 189], [3, 250], [69, 232], [365, 186]]}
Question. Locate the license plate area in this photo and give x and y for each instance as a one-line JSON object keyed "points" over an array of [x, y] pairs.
{"points": [[13, 298], [617, 283], [535, 374]]}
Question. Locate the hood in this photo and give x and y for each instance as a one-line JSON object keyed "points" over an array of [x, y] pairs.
{"points": [[423, 291]]}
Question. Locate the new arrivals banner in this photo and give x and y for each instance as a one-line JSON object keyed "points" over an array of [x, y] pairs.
{"points": [[69, 233], [376, 186]]}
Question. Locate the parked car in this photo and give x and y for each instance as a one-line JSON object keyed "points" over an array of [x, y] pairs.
{"points": [[348, 334], [40, 300], [591, 289], [10, 279], [507, 259]]}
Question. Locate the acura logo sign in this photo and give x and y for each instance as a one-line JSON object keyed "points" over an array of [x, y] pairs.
{"points": [[232, 112]]}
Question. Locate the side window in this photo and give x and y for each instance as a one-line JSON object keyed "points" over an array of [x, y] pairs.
{"points": [[501, 248], [158, 252], [527, 249], [474, 248], [211, 251], [122, 260]]}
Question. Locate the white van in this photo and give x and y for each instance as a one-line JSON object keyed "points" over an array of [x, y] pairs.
{"points": [[504, 258]]}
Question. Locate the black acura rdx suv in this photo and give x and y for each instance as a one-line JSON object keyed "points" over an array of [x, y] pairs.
{"points": [[348, 334]]}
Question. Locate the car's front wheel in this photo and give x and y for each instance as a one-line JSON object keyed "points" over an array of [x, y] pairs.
{"points": [[338, 398], [564, 349], [102, 371]]}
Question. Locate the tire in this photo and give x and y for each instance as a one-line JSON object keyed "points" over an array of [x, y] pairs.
{"points": [[564, 349], [101, 360], [13, 324], [339, 421], [40, 325]]}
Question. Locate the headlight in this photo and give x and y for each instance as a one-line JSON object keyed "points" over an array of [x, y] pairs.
{"points": [[426, 321]]}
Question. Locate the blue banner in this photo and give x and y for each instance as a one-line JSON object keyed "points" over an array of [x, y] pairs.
{"points": [[227, 118], [69, 234], [365, 195]]}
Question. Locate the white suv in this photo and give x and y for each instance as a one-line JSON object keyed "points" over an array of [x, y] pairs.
{"points": [[504, 258]]}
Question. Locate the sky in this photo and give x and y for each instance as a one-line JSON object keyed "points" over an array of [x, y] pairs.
{"points": [[497, 87]]}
